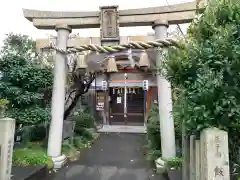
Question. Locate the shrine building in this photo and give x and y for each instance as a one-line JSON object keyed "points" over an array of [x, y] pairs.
{"points": [[125, 87]]}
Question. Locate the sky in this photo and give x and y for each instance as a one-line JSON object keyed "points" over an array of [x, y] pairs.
{"points": [[12, 19]]}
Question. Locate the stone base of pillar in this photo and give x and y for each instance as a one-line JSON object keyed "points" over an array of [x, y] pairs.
{"points": [[59, 161], [160, 166]]}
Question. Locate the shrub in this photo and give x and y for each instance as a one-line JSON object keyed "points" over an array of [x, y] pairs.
{"points": [[79, 142], [83, 123], [3, 106], [31, 116], [83, 120], [69, 150], [174, 163], [32, 133], [153, 132], [153, 129], [39, 132]]}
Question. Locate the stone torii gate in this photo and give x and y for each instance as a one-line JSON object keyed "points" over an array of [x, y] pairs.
{"points": [[109, 19]]}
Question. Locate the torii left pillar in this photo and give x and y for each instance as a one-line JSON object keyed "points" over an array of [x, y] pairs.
{"points": [[58, 99]]}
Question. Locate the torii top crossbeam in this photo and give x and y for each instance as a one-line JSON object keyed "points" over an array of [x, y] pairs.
{"points": [[174, 14]]}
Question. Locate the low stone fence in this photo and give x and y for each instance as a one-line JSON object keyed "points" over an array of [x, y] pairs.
{"points": [[209, 156]]}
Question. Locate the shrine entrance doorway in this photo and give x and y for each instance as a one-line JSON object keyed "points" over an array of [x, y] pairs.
{"points": [[135, 106]]}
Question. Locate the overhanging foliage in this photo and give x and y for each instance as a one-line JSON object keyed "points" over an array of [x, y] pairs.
{"points": [[206, 73]]}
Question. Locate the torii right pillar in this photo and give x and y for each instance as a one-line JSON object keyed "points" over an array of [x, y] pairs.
{"points": [[168, 145]]}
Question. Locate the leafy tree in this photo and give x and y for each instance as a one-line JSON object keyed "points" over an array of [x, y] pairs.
{"points": [[24, 80], [27, 82], [206, 73]]}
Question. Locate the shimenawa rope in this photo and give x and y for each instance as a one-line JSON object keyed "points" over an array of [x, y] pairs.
{"points": [[116, 48]]}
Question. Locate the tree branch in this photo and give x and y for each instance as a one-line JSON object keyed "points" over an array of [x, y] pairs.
{"points": [[80, 87], [89, 83], [69, 96]]}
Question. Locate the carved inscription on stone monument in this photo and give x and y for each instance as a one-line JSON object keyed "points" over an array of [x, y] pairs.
{"points": [[218, 171], [219, 155], [9, 156], [109, 23], [214, 155], [217, 142]]}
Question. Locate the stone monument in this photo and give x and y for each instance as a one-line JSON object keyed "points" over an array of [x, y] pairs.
{"points": [[214, 155], [7, 129]]}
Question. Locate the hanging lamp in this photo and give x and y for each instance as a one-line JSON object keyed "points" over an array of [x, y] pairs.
{"points": [[130, 58], [82, 61], [130, 90], [100, 67], [112, 65], [134, 92], [144, 60]]}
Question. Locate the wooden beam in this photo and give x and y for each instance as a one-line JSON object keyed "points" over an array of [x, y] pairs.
{"points": [[175, 14]]}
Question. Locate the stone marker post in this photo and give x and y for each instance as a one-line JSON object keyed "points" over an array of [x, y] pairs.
{"points": [[7, 130], [197, 160], [192, 157], [214, 154], [58, 99], [164, 98], [186, 153]]}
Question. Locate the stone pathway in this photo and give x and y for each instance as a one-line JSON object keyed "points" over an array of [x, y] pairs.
{"points": [[114, 156]]}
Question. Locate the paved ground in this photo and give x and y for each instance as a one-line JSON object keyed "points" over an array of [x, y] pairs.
{"points": [[113, 156], [22, 173]]}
